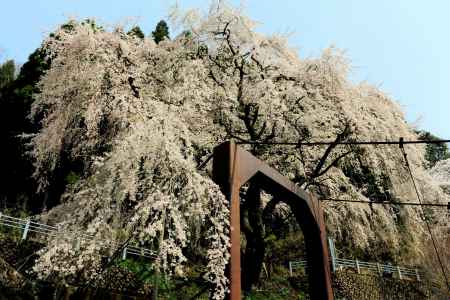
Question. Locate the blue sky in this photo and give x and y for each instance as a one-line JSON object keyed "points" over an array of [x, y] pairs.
{"points": [[403, 46]]}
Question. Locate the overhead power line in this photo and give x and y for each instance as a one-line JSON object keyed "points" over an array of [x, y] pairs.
{"points": [[444, 274], [324, 143], [388, 202]]}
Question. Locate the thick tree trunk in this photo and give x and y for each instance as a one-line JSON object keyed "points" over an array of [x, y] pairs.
{"points": [[254, 233]]}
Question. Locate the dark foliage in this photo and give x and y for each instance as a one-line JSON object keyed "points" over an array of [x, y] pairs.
{"points": [[137, 32], [373, 186], [161, 32], [16, 97], [18, 190], [7, 72], [434, 152]]}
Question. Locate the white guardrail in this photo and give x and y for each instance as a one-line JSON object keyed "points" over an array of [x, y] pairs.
{"points": [[359, 266], [27, 226], [340, 263]]}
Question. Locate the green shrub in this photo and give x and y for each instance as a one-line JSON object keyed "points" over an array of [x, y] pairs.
{"points": [[433, 152], [72, 178]]}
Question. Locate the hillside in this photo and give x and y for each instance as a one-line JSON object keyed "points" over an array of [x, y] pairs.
{"points": [[125, 124]]}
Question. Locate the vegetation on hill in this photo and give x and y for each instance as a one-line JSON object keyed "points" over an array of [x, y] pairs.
{"points": [[434, 152]]}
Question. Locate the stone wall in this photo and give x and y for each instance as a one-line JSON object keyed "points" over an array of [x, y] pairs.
{"points": [[352, 286]]}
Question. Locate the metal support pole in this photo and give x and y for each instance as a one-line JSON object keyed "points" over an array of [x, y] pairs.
{"points": [[235, 222], [25, 230], [379, 269], [399, 272], [124, 253], [233, 167], [417, 275], [332, 254], [357, 266]]}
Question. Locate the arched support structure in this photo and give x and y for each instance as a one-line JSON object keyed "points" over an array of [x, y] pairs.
{"points": [[232, 168]]}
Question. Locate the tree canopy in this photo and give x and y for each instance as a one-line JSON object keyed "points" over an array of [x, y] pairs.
{"points": [[7, 73], [16, 98], [434, 152], [161, 32], [137, 32]]}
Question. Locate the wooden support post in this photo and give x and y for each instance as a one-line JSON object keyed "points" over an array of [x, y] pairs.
{"points": [[357, 266], [290, 268], [417, 275], [25, 230]]}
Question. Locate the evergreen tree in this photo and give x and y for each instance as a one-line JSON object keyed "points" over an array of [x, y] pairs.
{"points": [[7, 72], [434, 152], [161, 32], [137, 32], [16, 97]]}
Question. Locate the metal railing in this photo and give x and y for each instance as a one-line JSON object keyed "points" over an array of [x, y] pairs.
{"points": [[340, 263], [27, 226], [360, 266]]}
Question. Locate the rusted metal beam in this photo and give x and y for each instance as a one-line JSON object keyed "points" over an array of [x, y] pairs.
{"points": [[232, 168], [226, 174]]}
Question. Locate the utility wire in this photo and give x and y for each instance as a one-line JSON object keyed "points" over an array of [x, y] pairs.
{"points": [[401, 143], [321, 143], [387, 202]]}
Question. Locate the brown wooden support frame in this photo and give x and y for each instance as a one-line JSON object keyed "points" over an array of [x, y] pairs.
{"points": [[232, 168]]}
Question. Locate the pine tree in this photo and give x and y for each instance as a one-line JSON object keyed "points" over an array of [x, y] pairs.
{"points": [[7, 72], [434, 152], [161, 32], [16, 98], [137, 32]]}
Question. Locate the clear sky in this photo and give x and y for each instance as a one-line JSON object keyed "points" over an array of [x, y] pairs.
{"points": [[403, 46]]}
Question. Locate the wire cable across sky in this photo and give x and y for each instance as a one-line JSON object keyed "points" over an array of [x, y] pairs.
{"points": [[388, 202], [324, 143], [405, 155]]}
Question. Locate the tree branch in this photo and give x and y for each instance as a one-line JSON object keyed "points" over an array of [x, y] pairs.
{"points": [[335, 161]]}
